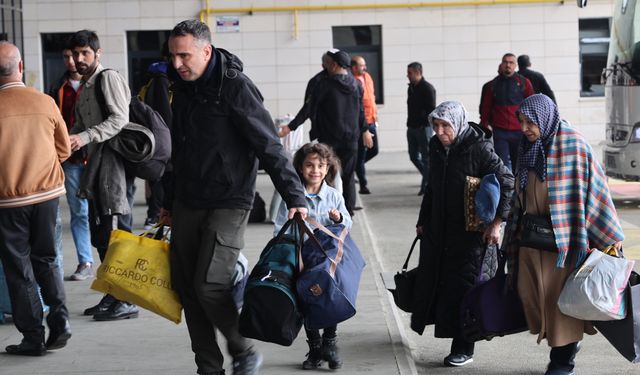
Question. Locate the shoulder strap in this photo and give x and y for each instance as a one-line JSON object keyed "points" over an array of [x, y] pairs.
{"points": [[100, 94], [406, 262]]}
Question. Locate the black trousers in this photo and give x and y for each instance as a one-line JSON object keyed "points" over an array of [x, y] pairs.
{"points": [[27, 250], [155, 199], [348, 157], [101, 226], [205, 244], [366, 154]]}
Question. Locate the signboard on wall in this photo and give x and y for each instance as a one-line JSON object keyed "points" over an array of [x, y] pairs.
{"points": [[227, 24]]}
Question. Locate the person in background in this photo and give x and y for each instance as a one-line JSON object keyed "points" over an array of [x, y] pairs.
{"points": [[560, 179], [317, 167], [421, 100], [30, 190], [156, 94], [108, 208], [65, 93], [500, 99], [539, 83], [359, 71], [451, 257]]}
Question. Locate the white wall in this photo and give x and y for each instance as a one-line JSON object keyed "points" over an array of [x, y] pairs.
{"points": [[459, 47]]}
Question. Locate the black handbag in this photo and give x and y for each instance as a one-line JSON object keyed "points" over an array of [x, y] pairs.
{"points": [[624, 334], [405, 281], [536, 230]]}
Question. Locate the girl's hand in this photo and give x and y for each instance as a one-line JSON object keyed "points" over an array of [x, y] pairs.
{"points": [[335, 215]]}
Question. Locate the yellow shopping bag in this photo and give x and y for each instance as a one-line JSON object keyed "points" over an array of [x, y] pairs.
{"points": [[136, 269]]}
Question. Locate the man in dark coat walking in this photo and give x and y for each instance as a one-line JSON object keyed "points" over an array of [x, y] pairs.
{"points": [[539, 83]]}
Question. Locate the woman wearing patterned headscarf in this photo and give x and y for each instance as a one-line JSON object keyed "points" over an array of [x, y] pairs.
{"points": [[559, 180], [451, 257]]}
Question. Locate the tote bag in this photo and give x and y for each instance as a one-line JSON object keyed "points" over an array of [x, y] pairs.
{"points": [[595, 290], [624, 334], [136, 269]]}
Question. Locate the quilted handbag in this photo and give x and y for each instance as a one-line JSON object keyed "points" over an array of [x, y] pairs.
{"points": [[492, 308]]}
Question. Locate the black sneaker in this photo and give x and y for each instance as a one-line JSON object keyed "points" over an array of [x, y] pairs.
{"points": [[457, 360], [364, 190], [117, 311]]}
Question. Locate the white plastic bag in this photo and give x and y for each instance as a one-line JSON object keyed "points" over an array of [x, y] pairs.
{"points": [[595, 291]]}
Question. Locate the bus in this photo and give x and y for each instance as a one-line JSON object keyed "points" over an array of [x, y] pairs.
{"points": [[621, 78]]}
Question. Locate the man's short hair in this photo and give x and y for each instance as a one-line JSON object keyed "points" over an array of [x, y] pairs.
{"points": [[415, 66], [84, 38], [10, 65], [508, 54], [199, 30], [524, 61], [354, 60]]}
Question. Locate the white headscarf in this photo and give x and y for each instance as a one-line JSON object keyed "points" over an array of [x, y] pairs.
{"points": [[452, 112]]}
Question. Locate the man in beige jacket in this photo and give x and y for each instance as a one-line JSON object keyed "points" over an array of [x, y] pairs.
{"points": [[33, 144], [97, 123]]}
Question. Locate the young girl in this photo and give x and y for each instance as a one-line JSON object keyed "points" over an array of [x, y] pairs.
{"points": [[317, 167]]}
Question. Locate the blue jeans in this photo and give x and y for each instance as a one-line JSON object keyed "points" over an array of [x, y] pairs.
{"points": [[79, 209], [418, 141], [506, 143], [366, 154]]}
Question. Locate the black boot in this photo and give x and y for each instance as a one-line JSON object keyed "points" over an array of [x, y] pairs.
{"points": [[314, 357], [330, 352], [562, 359]]}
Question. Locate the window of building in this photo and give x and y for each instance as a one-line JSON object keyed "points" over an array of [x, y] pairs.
{"points": [[365, 41], [11, 22], [52, 64], [594, 46], [143, 49]]}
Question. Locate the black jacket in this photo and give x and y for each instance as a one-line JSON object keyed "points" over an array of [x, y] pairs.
{"points": [[220, 128], [539, 83], [305, 112], [450, 257], [421, 100], [337, 115]]}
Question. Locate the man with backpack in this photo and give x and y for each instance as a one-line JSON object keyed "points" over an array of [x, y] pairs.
{"points": [[93, 128], [220, 129], [500, 99]]}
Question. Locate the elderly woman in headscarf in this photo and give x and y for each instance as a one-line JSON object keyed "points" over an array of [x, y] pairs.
{"points": [[451, 256], [560, 182]]}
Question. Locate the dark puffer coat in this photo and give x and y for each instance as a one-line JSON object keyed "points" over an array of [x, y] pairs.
{"points": [[451, 257]]}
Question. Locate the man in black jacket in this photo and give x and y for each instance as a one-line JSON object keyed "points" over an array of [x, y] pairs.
{"points": [[539, 83], [305, 111], [337, 119], [421, 100], [220, 129]]}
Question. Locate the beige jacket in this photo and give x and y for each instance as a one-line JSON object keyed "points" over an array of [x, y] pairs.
{"points": [[33, 144], [90, 124]]}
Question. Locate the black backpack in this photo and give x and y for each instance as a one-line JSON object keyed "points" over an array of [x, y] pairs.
{"points": [[258, 212], [142, 114]]}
